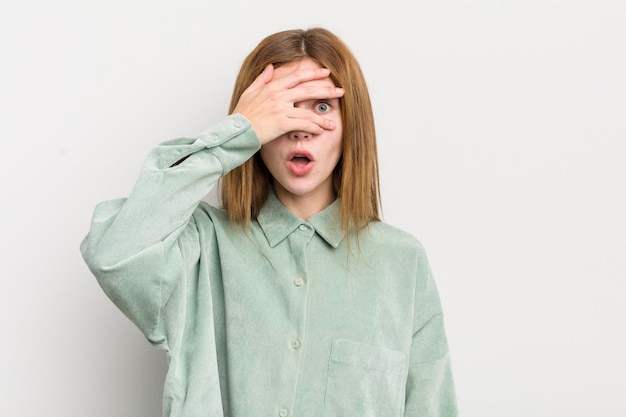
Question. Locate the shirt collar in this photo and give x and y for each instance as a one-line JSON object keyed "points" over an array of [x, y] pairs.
{"points": [[277, 222]]}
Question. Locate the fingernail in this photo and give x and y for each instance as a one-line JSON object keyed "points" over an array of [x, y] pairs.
{"points": [[339, 90]]}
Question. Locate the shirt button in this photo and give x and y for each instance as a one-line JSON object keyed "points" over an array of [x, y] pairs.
{"points": [[237, 124], [298, 282], [283, 412], [303, 227], [295, 344]]}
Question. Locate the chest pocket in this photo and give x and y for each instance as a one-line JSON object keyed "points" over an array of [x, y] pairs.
{"points": [[365, 381]]}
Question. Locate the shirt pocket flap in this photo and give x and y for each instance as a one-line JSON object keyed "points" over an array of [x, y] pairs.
{"points": [[367, 356]]}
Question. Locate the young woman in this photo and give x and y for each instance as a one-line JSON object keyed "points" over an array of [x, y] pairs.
{"points": [[294, 298]]}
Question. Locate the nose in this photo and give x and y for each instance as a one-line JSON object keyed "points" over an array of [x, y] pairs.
{"points": [[299, 135]]}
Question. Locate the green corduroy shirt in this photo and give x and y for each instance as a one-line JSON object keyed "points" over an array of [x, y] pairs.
{"points": [[275, 320]]}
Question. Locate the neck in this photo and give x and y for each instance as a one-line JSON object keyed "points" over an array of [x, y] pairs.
{"points": [[305, 206]]}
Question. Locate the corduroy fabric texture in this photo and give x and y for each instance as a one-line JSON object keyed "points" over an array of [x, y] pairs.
{"points": [[276, 320]]}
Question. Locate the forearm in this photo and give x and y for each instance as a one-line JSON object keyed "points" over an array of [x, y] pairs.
{"points": [[167, 192], [134, 245]]}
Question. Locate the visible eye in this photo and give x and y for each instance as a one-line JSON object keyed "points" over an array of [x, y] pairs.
{"points": [[322, 107]]}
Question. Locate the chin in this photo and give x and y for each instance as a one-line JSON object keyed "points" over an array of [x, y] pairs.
{"points": [[297, 190]]}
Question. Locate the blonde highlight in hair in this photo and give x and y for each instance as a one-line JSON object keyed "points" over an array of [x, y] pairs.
{"points": [[356, 177]]}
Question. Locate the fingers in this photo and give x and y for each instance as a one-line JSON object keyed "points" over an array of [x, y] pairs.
{"points": [[267, 74], [269, 103], [293, 79], [289, 120], [264, 78], [299, 76], [306, 84], [308, 121], [311, 91]]}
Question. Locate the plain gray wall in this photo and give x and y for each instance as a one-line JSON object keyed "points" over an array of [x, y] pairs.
{"points": [[502, 148]]}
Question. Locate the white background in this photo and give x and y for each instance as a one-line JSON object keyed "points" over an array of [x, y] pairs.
{"points": [[502, 142]]}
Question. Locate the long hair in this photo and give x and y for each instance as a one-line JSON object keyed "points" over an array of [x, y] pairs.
{"points": [[355, 178]]}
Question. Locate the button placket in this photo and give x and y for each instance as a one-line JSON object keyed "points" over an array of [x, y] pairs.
{"points": [[298, 242]]}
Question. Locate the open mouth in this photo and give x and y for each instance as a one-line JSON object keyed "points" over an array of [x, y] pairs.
{"points": [[300, 160]]}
